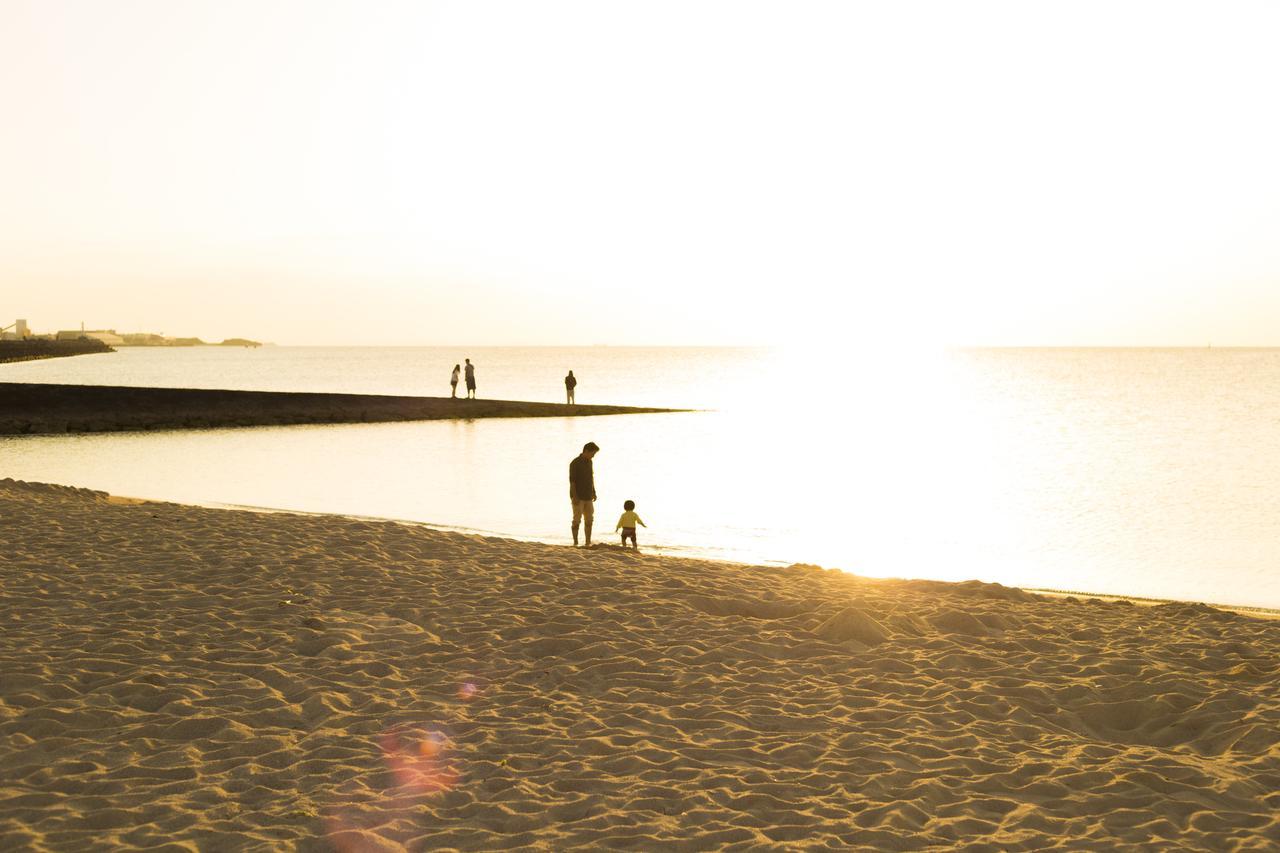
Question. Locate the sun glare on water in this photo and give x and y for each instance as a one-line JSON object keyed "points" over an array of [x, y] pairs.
{"points": [[870, 441]]}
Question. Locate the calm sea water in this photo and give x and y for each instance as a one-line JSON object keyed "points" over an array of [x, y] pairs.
{"points": [[1139, 472]]}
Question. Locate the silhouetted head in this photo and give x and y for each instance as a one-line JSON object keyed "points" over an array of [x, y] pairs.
{"points": [[628, 505], [590, 449], [467, 360], [570, 372], [457, 367]]}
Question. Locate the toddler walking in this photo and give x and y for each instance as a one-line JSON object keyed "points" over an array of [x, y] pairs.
{"points": [[627, 524]]}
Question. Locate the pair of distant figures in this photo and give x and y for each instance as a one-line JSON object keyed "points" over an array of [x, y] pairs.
{"points": [[470, 374], [582, 494], [570, 382]]}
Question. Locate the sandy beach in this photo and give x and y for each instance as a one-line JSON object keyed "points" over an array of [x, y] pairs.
{"points": [[178, 678]]}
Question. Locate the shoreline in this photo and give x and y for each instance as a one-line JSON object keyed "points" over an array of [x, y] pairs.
{"points": [[237, 679], [28, 408], [1147, 601], [660, 551], [674, 553]]}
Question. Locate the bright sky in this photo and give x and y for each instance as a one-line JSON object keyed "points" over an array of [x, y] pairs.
{"points": [[643, 173]]}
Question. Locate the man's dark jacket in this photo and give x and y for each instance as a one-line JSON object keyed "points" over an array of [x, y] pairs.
{"points": [[582, 480]]}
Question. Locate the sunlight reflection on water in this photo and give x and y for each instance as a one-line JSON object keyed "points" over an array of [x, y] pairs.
{"points": [[1140, 472]]}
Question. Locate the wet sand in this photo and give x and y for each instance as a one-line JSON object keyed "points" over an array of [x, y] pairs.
{"points": [[27, 408], [179, 678]]}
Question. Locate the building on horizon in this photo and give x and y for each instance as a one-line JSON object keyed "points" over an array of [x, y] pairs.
{"points": [[16, 332], [107, 336]]}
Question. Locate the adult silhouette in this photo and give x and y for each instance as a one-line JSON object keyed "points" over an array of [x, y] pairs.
{"points": [[570, 382], [471, 379], [582, 490], [453, 380]]}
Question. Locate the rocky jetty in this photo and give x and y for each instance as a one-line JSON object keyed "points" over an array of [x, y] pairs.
{"points": [[40, 408], [30, 350]]}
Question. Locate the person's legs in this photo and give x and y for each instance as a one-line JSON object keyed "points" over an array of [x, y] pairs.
{"points": [[453, 389], [577, 517], [588, 515]]}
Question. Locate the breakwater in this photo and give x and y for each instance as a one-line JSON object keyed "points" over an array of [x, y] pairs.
{"points": [[33, 349], [31, 408]]}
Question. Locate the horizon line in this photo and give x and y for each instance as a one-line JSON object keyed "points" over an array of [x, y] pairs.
{"points": [[774, 345]]}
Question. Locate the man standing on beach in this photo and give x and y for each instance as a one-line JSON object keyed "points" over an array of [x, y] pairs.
{"points": [[471, 380], [570, 382], [582, 489]]}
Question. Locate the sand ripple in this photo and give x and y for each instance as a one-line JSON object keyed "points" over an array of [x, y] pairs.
{"points": [[173, 678]]}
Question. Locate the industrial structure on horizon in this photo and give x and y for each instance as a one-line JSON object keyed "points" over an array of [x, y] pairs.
{"points": [[19, 330], [15, 331]]}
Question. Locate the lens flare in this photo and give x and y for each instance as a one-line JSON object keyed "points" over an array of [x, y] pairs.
{"points": [[419, 760], [422, 765]]}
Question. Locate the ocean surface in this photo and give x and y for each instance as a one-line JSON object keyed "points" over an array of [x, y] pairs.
{"points": [[1145, 472]]}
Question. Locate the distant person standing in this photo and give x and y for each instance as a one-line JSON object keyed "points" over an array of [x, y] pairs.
{"points": [[471, 379], [570, 382], [453, 380], [582, 489]]}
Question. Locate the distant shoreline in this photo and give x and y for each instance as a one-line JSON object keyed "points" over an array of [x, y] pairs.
{"points": [[31, 408]]}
